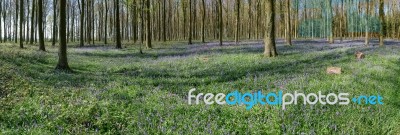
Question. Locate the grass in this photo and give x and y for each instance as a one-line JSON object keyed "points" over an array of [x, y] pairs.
{"points": [[123, 92]]}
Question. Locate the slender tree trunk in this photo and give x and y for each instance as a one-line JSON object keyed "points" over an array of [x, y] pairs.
{"points": [[1, 13], [190, 22], [81, 36], [220, 22], [148, 24], [237, 21], [62, 55], [32, 21], [382, 21], [105, 22], [250, 20], [366, 26], [269, 40], [40, 23], [330, 21], [54, 22], [21, 21], [288, 25], [203, 23], [117, 25]]}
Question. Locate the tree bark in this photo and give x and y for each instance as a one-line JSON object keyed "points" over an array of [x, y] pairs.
{"points": [[62, 56], [54, 23], [21, 21], [190, 22], [148, 24], [269, 40], [237, 21], [288, 27], [203, 23], [40, 23], [221, 27], [117, 25], [382, 21], [82, 23]]}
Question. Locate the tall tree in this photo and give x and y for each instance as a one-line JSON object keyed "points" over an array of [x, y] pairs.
{"points": [[32, 21], [190, 22], [330, 21], [148, 25], [288, 25], [105, 22], [117, 25], [40, 23], [81, 36], [237, 21], [62, 54], [164, 36], [220, 23], [367, 25], [269, 39], [21, 21], [54, 22], [203, 23], [1, 13], [382, 21]]}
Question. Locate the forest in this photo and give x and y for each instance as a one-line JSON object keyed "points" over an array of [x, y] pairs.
{"points": [[126, 66]]}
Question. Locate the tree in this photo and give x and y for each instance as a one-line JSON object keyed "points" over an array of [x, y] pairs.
{"points": [[269, 39], [40, 23], [54, 22], [164, 16], [288, 27], [203, 23], [32, 22], [382, 21], [366, 26], [190, 22], [21, 21], [81, 42], [105, 22], [237, 21], [220, 22], [117, 25], [148, 25], [62, 55], [330, 21]]}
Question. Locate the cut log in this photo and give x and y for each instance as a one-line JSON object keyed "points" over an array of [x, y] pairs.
{"points": [[334, 70], [360, 55]]}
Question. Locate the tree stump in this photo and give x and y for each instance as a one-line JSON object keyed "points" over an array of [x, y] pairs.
{"points": [[359, 55], [334, 70]]}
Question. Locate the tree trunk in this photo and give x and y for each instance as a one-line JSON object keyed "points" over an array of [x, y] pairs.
{"points": [[21, 21], [288, 27], [220, 22], [148, 24], [269, 40], [105, 22], [190, 22], [54, 22], [203, 23], [330, 21], [383, 24], [40, 23], [32, 21], [62, 56], [164, 16], [82, 23], [237, 21], [117, 25], [366, 26]]}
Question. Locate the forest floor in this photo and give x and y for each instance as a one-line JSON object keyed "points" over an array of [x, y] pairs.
{"points": [[121, 91]]}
